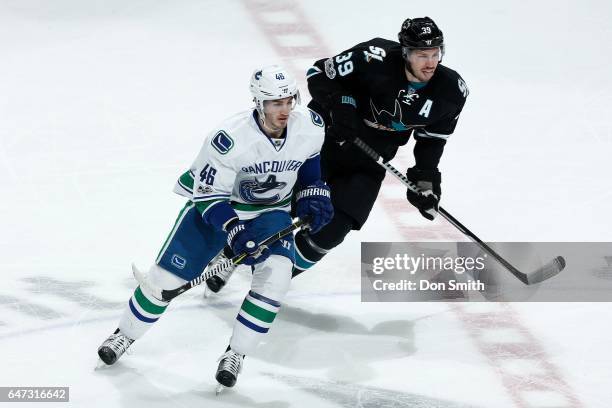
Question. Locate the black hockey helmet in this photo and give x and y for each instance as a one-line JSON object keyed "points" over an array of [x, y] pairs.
{"points": [[420, 33]]}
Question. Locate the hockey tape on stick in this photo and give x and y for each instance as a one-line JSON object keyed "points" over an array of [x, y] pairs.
{"points": [[547, 271]]}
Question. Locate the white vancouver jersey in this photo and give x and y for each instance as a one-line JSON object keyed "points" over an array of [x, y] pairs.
{"points": [[239, 163]]}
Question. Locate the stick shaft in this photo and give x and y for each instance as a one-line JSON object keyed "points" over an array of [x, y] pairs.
{"points": [[452, 220]]}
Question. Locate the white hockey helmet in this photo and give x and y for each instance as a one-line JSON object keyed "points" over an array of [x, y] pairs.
{"points": [[271, 83]]}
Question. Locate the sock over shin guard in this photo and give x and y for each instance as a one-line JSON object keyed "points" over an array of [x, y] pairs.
{"points": [[310, 249], [253, 321], [143, 310]]}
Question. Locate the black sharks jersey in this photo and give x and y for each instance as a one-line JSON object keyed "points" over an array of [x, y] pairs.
{"points": [[393, 108]]}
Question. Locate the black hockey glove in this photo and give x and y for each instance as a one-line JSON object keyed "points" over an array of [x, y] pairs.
{"points": [[428, 198], [346, 124], [241, 239]]}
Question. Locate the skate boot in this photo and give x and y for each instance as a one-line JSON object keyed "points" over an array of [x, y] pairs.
{"points": [[230, 364], [114, 347]]}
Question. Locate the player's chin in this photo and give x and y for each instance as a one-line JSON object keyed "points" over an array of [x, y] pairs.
{"points": [[426, 75]]}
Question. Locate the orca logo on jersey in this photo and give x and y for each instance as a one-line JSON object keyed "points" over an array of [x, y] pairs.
{"points": [[178, 261], [251, 190], [316, 118], [222, 142]]}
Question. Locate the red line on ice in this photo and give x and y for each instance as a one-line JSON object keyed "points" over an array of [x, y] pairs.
{"points": [[263, 14]]}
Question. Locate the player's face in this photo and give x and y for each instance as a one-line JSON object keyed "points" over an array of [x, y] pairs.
{"points": [[277, 112], [424, 63]]}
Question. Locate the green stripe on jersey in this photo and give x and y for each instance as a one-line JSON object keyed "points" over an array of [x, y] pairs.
{"points": [[186, 208], [203, 205], [255, 207], [146, 304], [258, 312], [186, 179]]}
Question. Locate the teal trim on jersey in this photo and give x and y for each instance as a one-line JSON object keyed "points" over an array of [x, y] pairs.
{"points": [[180, 217], [256, 207], [417, 85], [302, 263], [312, 71]]}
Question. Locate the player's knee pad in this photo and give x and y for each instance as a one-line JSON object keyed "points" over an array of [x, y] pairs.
{"points": [[272, 277], [164, 279]]}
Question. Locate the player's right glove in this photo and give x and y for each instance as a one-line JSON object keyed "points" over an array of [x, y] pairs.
{"points": [[428, 198], [242, 240], [346, 124]]}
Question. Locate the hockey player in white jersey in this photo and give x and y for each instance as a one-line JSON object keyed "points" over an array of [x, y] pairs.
{"points": [[239, 191]]}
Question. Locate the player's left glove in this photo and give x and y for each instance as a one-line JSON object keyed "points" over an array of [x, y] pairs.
{"points": [[314, 204], [428, 198], [345, 124]]}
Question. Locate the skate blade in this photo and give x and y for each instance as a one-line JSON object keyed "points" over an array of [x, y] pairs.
{"points": [[100, 365], [219, 389]]}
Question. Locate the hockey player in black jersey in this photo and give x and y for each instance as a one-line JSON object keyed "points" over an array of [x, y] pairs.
{"points": [[381, 91]]}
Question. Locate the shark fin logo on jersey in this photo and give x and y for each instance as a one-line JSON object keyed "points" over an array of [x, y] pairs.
{"points": [[222, 142], [388, 120], [316, 118], [252, 191]]}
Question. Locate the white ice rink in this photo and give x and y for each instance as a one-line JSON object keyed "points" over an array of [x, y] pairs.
{"points": [[104, 103]]}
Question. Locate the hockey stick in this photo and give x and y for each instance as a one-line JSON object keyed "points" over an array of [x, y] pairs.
{"points": [[549, 270], [212, 268]]}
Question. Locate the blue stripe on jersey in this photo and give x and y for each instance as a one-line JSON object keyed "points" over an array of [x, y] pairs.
{"points": [[208, 197], [140, 316], [251, 325], [310, 171], [264, 299]]}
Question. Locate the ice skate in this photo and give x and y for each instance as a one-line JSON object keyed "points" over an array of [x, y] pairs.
{"points": [[114, 347], [230, 364], [225, 269]]}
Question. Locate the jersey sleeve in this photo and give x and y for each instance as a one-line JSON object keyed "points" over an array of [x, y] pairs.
{"points": [[444, 127], [430, 140], [340, 75]]}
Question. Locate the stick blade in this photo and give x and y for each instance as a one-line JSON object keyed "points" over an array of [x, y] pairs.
{"points": [[547, 271]]}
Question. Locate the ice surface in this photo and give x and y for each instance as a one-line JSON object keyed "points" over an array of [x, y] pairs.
{"points": [[105, 103]]}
